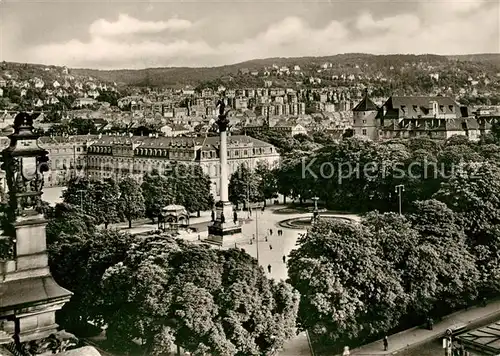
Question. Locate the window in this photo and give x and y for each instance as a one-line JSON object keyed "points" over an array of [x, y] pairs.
{"points": [[364, 121], [364, 132], [78, 149], [245, 152]]}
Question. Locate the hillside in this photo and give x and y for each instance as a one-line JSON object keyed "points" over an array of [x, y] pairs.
{"points": [[356, 63], [493, 58]]}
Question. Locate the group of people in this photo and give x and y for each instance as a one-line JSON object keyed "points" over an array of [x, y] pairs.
{"points": [[280, 232]]}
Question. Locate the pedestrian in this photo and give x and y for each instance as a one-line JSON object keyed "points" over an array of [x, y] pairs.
{"points": [[251, 242], [271, 232], [250, 211], [430, 323], [284, 259], [270, 246], [269, 268], [346, 351], [386, 343], [199, 237], [266, 238]]}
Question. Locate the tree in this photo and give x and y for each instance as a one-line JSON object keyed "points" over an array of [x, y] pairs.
{"points": [[98, 199], [473, 193], [157, 193], [106, 194], [83, 126], [457, 140], [80, 192], [131, 201], [243, 186], [78, 262], [348, 291], [191, 187], [205, 300], [203, 198], [452, 263], [267, 182], [69, 220]]}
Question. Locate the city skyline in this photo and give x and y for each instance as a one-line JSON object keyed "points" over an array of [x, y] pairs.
{"points": [[115, 35]]}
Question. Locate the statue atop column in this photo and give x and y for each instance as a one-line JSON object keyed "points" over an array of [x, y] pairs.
{"points": [[223, 121]]}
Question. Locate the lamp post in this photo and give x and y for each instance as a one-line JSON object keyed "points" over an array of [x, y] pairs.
{"points": [[400, 189], [257, 231], [315, 212]]}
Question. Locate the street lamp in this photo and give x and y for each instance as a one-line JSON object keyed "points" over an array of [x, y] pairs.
{"points": [[257, 230], [24, 163], [315, 212], [400, 189]]}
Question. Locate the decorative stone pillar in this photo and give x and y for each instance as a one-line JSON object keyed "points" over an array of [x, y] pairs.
{"points": [[224, 229], [29, 296]]}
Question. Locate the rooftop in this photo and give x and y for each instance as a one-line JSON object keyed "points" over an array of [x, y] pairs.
{"points": [[366, 104], [164, 142]]}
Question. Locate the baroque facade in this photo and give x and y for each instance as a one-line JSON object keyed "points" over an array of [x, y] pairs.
{"points": [[118, 157]]}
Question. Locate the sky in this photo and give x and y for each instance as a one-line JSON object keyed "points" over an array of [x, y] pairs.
{"points": [[138, 34]]}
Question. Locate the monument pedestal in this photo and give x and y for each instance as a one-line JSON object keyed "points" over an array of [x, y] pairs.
{"points": [[29, 296], [224, 232]]}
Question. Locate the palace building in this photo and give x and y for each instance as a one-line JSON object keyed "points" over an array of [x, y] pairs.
{"points": [[121, 156], [118, 157]]}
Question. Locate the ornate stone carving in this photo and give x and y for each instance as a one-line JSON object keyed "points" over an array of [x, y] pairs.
{"points": [[54, 343]]}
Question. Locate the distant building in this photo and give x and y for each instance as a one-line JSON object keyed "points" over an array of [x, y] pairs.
{"points": [[290, 129], [174, 130], [365, 118], [118, 157], [81, 102], [436, 117]]}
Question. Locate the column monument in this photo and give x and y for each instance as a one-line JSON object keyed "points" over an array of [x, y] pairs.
{"points": [[225, 229]]}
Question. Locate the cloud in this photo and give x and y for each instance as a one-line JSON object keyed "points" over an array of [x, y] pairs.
{"points": [[404, 23], [128, 25], [470, 27]]}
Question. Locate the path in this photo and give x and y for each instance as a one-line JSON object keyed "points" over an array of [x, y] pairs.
{"points": [[472, 317]]}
